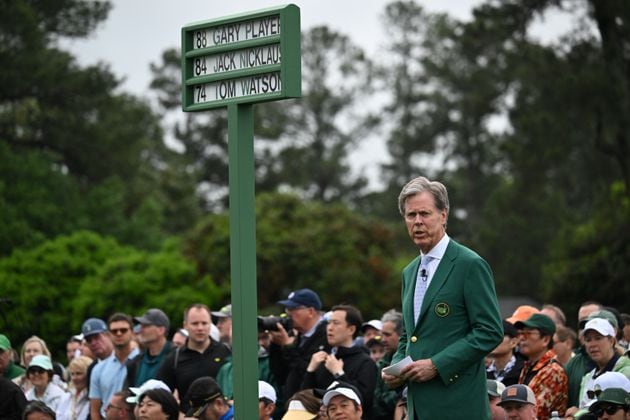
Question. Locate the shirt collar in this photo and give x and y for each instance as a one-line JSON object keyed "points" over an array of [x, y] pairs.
{"points": [[437, 252]]}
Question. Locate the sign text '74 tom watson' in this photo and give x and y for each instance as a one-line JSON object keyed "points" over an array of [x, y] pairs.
{"points": [[245, 58]]}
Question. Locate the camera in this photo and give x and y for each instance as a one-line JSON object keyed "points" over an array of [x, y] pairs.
{"points": [[268, 323]]}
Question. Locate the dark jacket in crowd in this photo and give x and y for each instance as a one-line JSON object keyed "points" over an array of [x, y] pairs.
{"points": [[12, 400], [289, 363], [359, 370]]}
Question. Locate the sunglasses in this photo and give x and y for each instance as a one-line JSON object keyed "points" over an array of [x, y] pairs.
{"points": [[117, 331], [593, 394], [610, 410], [37, 370], [202, 403]]}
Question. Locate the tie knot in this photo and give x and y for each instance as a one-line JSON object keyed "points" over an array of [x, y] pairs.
{"points": [[426, 259]]}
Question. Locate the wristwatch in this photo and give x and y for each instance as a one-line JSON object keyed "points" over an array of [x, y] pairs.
{"points": [[338, 374]]}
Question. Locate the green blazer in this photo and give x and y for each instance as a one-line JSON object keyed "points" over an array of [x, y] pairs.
{"points": [[459, 324]]}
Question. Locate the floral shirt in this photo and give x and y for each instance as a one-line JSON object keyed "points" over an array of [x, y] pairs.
{"points": [[549, 383]]}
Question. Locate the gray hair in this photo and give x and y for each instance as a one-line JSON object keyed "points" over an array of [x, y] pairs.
{"points": [[395, 318], [422, 184]]}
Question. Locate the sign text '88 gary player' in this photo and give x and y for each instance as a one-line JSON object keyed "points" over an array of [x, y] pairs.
{"points": [[246, 58]]}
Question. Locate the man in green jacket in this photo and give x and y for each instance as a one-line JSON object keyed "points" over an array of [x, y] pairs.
{"points": [[450, 314], [8, 369]]}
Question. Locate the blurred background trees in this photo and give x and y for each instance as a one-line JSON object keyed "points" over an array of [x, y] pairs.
{"points": [[111, 203]]}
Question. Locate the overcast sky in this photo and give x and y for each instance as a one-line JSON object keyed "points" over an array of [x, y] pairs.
{"points": [[138, 31]]}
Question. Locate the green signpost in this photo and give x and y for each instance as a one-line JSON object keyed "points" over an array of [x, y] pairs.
{"points": [[235, 62]]}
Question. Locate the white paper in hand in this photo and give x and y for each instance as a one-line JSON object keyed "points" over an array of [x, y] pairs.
{"points": [[395, 369]]}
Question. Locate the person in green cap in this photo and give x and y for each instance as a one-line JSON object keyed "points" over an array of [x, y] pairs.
{"points": [[612, 404], [8, 369]]}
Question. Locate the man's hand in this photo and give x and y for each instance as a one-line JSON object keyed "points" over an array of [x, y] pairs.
{"points": [[316, 360], [420, 371], [392, 381], [333, 364], [281, 337]]}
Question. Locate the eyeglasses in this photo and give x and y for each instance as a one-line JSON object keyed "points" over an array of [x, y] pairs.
{"points": [[610, 410], [117, 331], [36, 370], [593, 394], [528, 333]]}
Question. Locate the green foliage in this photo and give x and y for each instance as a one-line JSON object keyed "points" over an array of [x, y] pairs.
{"points": [[41, 285], [51, 289], [304, 244], [591, 260]]}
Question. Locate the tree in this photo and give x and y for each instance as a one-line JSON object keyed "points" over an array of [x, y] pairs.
{"points": [[341, 255], [51, 289]]}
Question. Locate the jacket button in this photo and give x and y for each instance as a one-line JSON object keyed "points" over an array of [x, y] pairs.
{"points": [[414, 338]]}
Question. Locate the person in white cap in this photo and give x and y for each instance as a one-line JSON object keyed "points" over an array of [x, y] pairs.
{"points": [[342, 401], [267, 398], [599, 339], [40, 374]]}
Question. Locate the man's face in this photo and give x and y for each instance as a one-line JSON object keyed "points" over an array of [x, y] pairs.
{"points": [[302, 317], [343, 408], [5, 358], [370, 333], [531, 343], [506, 346], [121, 333], [265, 410], [150, 333], [519, 411], [561, 347], [604, 410], [599, 348], [116, 409], [390, 337], [377, 351], [496, 411], [425, 223], [198, 325], [224, 324], [338, 331], [71, 348], [99, 344]]}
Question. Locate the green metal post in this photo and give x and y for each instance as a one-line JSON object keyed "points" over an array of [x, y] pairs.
{"points": [[243, 260]]}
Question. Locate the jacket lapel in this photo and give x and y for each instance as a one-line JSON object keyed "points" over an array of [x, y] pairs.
{"points": [[410, 292], [439, 278]]}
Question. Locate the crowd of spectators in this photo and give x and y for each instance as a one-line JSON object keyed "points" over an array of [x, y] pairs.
{"points": [[320, 365]]}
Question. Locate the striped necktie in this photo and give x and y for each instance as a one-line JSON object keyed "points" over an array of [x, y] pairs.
{"points": [[421, 285]]}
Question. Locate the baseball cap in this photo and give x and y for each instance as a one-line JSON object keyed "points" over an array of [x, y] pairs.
{"points": [[5, 344], [522, 313], [147, 386], [42, 361], [601, 325], [518, 393], [602, 313], [266, 391], [611, 395], [509, 329], [374, 341], [155, 317], [373, 323], [93, 326], [612, 380], [201, 392], [495, 388], [540, 322], [224, 312], [297, 411], [341, 388], [302, 297]]}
